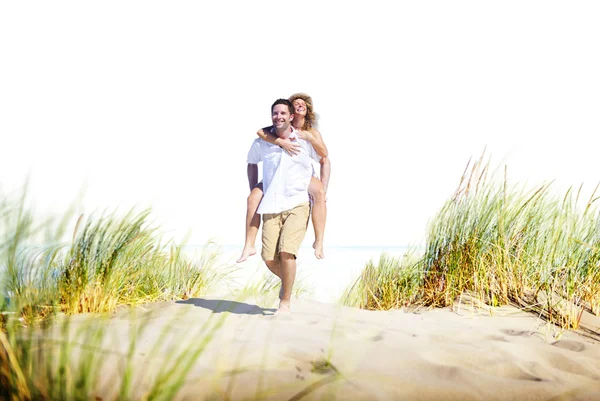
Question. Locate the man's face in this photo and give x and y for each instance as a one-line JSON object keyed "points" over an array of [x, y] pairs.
{"points": [[300, 107], [281, 117]]}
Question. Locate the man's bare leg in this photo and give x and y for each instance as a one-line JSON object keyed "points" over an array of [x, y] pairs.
{"points": [[252, 223], [319, 214], [288, 276], [275, 267]]}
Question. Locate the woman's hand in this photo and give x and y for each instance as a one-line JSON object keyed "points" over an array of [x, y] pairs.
{"points": [[291, 147]]}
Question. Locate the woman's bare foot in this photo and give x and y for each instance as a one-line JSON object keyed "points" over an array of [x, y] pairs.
{"points": [[318, 245], [284, 307], [246, 253]]}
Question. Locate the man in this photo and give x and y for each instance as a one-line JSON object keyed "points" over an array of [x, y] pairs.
{"points": [[284, 206]]}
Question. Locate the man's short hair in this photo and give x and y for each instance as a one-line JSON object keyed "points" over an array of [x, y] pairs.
{"points": [[286, 102]]}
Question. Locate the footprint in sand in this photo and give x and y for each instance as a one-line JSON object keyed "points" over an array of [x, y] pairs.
{"points": [[570, 345], [515, 333], [495, 338]]}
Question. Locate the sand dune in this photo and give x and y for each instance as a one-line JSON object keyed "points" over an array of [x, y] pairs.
{"points": [[324, 352]]}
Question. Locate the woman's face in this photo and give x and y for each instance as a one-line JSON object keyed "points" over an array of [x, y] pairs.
{"points": [[300, 107]]}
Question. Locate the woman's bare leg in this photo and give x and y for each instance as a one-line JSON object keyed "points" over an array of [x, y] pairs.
{"points": [[319, 214], [252, 222]]}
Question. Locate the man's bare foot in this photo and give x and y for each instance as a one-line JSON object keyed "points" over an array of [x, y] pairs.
{"points": [[284, 307], [318, 246], [246, 253], [281, 292]]}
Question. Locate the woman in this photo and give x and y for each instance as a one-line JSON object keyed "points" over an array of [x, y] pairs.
{"points": [[305, 121]]}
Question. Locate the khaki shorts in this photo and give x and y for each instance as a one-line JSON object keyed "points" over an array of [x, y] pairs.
{"points": [[284, 232]]}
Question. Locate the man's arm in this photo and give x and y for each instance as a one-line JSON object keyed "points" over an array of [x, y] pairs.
{"points": [[325, 172], [291, 147], [252, 175], [254, 157]]}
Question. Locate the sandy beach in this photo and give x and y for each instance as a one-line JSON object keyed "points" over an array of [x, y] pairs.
{"points": [[453, 142], [239, 351]]}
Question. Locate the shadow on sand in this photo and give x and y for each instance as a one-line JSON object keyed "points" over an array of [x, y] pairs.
{"points": [[219, 306]]}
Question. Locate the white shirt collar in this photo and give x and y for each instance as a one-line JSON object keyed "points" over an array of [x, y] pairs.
{"points": [[293, 134]]}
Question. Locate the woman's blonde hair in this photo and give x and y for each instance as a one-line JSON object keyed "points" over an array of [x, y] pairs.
{"points": [[310, 121]]}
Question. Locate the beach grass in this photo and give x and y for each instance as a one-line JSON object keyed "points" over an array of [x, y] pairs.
{"points": [[121, 261], [388, 284], [503, 244], [111, 260]]}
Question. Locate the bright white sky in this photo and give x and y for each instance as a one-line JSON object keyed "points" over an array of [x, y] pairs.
{"points": [[157, 102]]}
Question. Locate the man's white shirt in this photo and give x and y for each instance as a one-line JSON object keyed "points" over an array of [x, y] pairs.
{"points": [[285, 178]]}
